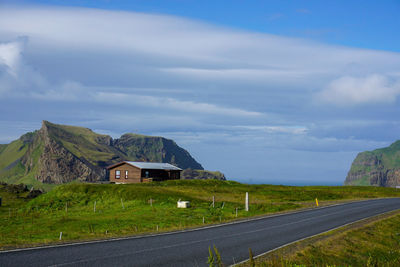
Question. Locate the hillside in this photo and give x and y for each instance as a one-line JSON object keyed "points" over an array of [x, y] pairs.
{"points": [[380, 167], [58, 154]]}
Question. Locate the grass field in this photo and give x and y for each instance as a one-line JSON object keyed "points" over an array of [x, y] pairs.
{"points": [[372, 242], [96, 211]]}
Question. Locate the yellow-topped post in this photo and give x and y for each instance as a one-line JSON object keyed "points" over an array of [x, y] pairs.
{"points": [[316, 202]]}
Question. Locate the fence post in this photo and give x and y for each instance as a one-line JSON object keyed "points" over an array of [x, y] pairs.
{"points": [[213, 201], [247, 201], [94, 207]]}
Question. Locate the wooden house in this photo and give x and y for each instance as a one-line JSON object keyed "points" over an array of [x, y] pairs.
{"points": [[138, 172]]}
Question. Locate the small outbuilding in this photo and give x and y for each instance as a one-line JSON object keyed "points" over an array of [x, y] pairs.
{"points": [[140, 172]]}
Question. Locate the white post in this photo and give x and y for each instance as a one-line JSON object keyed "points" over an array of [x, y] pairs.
{"points": [[247, 201], [213, 201], [236, 212], [60, 235], [203, 219], [94, 206], [223, 204]]}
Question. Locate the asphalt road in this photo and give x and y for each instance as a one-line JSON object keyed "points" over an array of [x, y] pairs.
{"points": [[190, 248]]}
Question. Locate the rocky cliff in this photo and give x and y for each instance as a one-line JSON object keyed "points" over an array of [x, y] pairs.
{"points": [[59, 154], [202, 174], [380, 167]]}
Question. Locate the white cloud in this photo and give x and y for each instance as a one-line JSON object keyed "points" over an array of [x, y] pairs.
{"points": [[10, 54], [171, 103], [349, 90], [275, 129], [180, 43], [15, 74]]}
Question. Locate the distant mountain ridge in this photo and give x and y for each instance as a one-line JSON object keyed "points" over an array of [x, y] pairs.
{"points": [[58, 154], [380, 167]]}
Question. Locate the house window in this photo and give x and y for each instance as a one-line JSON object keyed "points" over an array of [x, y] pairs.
{"points": [[147, 174], [126, 174], [117, 174]]}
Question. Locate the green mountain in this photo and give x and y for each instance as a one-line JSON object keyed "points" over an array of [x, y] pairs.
{"points": [[58, 154], [380, 167]]}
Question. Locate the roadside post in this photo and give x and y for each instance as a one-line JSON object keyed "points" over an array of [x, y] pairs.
{"points": [[247, 202], [316, 202]]}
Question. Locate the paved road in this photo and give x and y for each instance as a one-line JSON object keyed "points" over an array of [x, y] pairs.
{"points": [[191, 248]]}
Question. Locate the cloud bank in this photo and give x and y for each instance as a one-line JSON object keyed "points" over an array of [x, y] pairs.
{"points": [[361, 90]]}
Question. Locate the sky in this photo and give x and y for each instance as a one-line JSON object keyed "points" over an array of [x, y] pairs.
{"points": [[280, 92]]}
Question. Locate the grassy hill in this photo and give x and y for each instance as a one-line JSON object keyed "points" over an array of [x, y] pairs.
{"points": [[132, 209], [380, 167]]}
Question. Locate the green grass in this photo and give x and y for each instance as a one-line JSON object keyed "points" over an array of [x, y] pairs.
{"points": [[364, 181], [82, 142], [375, 243], [2, 147], [39, 221], [11, 153]]}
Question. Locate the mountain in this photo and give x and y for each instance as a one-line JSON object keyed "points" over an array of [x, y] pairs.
{"points": [[58, 154], [380, 167]]}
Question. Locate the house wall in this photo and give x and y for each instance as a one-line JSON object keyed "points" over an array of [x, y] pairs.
{"points": [[134, 174], [137, 175]]}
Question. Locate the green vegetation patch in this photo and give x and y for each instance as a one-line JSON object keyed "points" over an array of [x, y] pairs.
{"points": [[10, 154], [375, 243], [97, 211]]}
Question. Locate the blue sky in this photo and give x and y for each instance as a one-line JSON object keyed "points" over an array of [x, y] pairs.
{"points": [[265, 91]]}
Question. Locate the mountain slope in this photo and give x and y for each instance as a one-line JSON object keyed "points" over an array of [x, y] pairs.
{"points": [[58, 154], [380, 167], [155, 149]]}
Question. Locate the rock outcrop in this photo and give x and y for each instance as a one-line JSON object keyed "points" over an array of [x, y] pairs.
{"points": [[58, 165], [202, 174], [380, 167]]}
